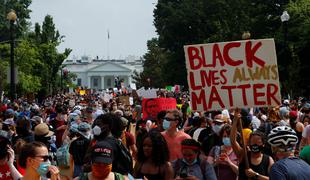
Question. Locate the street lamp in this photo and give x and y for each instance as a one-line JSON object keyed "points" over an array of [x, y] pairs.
{"points": [[11, 16], [246, 35], [284, 18]]}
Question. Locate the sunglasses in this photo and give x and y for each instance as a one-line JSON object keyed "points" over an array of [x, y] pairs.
{"points": [[45, 158]]}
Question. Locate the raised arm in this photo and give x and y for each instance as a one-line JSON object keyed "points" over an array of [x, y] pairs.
{"points": [[233, 138]]}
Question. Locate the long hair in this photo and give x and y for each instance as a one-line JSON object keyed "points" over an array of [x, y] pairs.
{"points": [[160, 151]]}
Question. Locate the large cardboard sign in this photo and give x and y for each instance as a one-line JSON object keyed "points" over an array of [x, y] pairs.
{"points": [[151, 107], [233, 74]]}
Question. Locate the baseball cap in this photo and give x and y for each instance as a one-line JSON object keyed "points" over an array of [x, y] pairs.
{"points": [[43, 130], [9, 112], [102, 153], [293, 114]]}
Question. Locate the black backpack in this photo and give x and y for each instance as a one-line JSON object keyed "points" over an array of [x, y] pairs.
{"points": [[124, 159]]}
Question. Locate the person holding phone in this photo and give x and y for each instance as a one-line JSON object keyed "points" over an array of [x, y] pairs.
{"points": [[7, 156], [35, 160]]}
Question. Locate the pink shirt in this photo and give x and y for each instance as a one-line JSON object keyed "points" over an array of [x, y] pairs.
{"points": [[174, 144]]}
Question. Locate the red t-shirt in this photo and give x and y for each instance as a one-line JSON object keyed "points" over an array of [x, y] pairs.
{"points": [[5, 172], [58, 133]]}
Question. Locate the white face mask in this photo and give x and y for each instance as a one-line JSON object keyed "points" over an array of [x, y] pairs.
{"points": [[217, 128]]}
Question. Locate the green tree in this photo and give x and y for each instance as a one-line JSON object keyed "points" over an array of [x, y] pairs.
{"points": [[183, 22], [22, 10], [47, 39], [154, 60]]}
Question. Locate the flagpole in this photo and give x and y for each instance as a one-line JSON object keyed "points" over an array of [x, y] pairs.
{"points": [[108, 53]]}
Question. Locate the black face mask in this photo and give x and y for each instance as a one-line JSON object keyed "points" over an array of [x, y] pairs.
{"points": [[256, 148]]}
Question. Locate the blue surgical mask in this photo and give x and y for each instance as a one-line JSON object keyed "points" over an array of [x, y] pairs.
{"points": [[166, 124], [226, 141], [189, 164], [43, 168]]}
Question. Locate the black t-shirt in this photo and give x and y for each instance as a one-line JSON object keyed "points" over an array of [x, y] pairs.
{"points": [[78, 149]]}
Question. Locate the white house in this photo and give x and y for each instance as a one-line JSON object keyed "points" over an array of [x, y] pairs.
{"points": [[100, 74]]}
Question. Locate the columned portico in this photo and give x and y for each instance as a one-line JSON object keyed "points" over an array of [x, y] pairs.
{"points": [[103, 76], [102, 82], [89, 81]]}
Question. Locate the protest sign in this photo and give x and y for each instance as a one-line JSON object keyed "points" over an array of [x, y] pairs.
{"points": [[233, 74], [169, 88], [149, 93], [82, 92], [124, 100], [151, 107]]}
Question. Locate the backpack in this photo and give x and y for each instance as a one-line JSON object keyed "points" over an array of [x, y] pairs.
{"points": [[180, 165], [124, 158], [62, 155]]}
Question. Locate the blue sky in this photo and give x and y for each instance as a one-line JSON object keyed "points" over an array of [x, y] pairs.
{"points": [[85, 25]]}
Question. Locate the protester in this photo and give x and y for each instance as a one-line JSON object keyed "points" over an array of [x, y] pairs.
{"points": [[172, 135], [191, 166], [305, 154], [210, 137], [259, 163], [101, 164], [23, 130], [7, 157], [298, 127], [223, 158], [59, 124], [35, 159], [159, 121], [109, 127], [283, 140], [78, 148], [153, 158]]}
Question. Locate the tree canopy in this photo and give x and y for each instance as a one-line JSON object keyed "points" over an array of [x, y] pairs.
{"points": [[36, 54], [183, 22]]}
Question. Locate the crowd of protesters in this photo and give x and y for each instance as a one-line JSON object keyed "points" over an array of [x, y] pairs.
{"points": [[87, 137]]}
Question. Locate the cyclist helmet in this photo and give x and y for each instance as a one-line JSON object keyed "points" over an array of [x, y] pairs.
{"points": [[282, 136]]}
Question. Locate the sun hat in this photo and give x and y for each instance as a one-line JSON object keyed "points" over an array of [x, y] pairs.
{"points": [[43, 130]]}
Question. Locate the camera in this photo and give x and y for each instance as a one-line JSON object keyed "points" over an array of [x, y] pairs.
{"points": [[184, 173]]}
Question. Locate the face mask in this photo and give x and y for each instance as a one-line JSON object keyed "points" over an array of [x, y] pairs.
{"points": [[43, 168], [52, 140], [166, 124], [217, 128], [101, 170], [96, 130], [189, 164], [226, 141], [256, 148]]}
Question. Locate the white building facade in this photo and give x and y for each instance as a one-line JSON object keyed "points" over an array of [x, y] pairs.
{"points": [[101, 74]]}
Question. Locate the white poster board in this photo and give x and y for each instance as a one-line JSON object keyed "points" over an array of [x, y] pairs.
{"points": [[233, 74]]}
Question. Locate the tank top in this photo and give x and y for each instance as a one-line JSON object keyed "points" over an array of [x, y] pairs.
{"points": [[151, 176], [261, 168]]}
